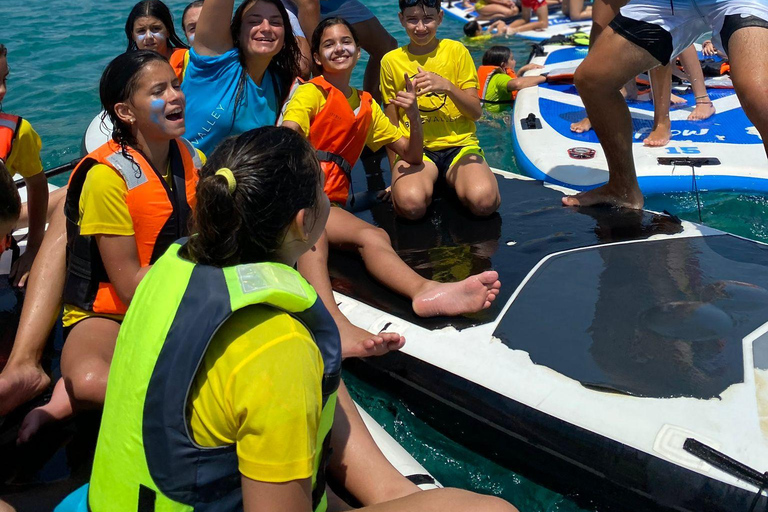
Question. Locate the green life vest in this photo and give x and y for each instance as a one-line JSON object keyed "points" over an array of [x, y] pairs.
{"points": [[146, 459]]}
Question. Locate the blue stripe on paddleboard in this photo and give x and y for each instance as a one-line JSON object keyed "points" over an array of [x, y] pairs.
{"points": [[727, 127], [565, 55]]}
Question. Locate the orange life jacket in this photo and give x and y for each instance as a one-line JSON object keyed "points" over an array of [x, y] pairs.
{"points": [[484, 76], [160, 216], [339, 134], [179, 62], [9, 125]]}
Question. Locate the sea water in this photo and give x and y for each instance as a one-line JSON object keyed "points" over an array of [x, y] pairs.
{"points": [[57, 51]]}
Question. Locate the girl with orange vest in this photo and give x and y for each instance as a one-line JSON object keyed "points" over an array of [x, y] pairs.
{"points": [[340, 121], [126, 203], [150, 27], [498, 81], [20, 152]]}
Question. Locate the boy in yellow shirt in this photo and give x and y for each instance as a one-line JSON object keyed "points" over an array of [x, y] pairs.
{"points": [[20, 151], [445, 79]]}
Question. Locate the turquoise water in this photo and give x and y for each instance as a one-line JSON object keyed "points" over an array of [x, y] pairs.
{"points": [[56, 57]]}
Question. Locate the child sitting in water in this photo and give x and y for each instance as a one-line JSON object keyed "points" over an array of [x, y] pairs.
{"points": [[498, 81], [475, 34], [20, 151], [445, 81]]}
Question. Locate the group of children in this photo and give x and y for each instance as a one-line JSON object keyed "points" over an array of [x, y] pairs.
{"points": [[509, 18], [216, 363]]}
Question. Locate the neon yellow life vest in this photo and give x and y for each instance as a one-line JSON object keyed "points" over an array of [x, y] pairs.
{"points": [[145, 458]]}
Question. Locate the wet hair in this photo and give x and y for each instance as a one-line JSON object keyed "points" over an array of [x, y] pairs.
{"points": [[10, 202], [284, 66], [471, 28], [3, 50], [118, 83], [496, 56], [317, 35], [191, 5], [156, 9], [277, 175], [424, 4]]}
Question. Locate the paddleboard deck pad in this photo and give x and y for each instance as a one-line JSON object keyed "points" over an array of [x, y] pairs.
{"points": [[559, 24], [618, 336], [724, 152]]}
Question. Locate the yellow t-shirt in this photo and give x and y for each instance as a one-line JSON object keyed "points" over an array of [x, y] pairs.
{"points": [[444, 125], [104, 211], [259, 387], [309, 99], [24, 159]]}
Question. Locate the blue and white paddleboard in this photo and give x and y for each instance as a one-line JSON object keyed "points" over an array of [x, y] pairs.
{"points": [[724, 152], [559, 24]]}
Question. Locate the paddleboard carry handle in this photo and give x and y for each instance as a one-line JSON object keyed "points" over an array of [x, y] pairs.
{"points": [[531, 122], [731, 466]]}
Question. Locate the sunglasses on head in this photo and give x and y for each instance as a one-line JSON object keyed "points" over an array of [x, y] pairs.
{"points": [[426, 3]]}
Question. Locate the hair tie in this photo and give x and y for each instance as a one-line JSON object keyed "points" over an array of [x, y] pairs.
{"points": [[229, 176]]}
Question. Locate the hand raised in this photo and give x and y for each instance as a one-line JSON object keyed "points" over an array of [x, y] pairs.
{"points": [[426, 81], [406, 99]]}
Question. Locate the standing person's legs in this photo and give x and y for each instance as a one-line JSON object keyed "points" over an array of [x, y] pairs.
{"points": [[603, 12], [661, 89], [704, 108], [599, 80], [748, 54]]}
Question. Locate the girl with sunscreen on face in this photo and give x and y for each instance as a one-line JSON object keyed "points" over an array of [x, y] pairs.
{"points": [[340, 121], [126, 202], [150, 27], [20, 151]]}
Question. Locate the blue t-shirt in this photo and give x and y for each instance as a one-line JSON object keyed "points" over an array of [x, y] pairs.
{"points": [[210, 85]]}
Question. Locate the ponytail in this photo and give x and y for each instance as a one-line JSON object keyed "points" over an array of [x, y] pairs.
{"points": [[276, 174]]}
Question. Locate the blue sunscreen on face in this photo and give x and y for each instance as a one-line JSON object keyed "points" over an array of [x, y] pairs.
{"points": [[157, 107]]}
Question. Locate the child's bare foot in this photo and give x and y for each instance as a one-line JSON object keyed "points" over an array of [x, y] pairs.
{"points": [[357, 342], [626, 197], [59, 408], [19, 384], [582, 126], [471, 295], [660, 135], [677, 100], [701, 111]]}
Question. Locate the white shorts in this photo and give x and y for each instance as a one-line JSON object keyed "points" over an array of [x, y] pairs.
{"points": [[295, 25], [686, 21], [351, 10]]}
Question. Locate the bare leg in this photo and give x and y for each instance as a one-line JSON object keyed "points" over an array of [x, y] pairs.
{"points": [[305, 60], [491, 11], [375, 40], [704, 108], [599, 86], [603, 12], [85, 362], [355, 342], [749, 71], [23, 378], [429, 298], [575, 10], [475, 185], [356, 458], [59, 408], [661, 85], [412, 187]]}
